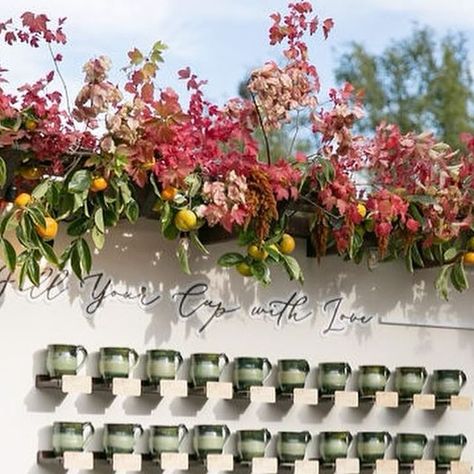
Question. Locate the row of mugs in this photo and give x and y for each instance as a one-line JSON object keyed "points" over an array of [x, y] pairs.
{"points": [[253, 371], [291, 445]]}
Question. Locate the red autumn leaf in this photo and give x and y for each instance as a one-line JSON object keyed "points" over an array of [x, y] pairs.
{"points": [[328, 25], [10, 37], [184, 73], [147, 92], [313, 25]]}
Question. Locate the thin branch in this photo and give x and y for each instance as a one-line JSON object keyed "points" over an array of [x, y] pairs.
{"points": [[297, 129], [260, 121], [309, 201], [61, 78]]}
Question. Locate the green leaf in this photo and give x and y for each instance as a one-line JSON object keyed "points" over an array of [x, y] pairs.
{"points": [[98, 237], [36, 215], [6, 219], [132, 211], [8, 254], [33, 270], [193, 182], [442, 281], [409, 260], [78, 227], [183, 255], [459, 278], [76, 262], [154, 185], [80, 181], [450, 254], [166, 217], [125, 192], [48, 253], [293, 268], [197, 243], [99, 219], [261, 272], [41, 190], [22, 274], [3, 172], [421, 199], [170, 233], [84, 255], [230, 259], [416, 256]]}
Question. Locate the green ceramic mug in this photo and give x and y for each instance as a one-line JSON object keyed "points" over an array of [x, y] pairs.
{"points": [[250, 371], [117, 362], [166, 439], [210, 439], [371, 445], [162, 364], [333, 376], [448, 382], [63, 359], [372, 379], [292, 374], [334, 445], [69, 436], [252, 444], [449, 448], [410, 446], [206, 367], [409, 381], [291, 445], [120, 438]]}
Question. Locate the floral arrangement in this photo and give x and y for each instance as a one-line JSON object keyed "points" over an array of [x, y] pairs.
{"points": [[85, 166]]}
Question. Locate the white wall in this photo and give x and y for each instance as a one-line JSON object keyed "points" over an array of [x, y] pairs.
{"points": [[132, 260]]}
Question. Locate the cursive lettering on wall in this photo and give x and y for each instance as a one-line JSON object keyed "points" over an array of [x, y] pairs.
{"points": [[338, 321], [193, 303]]}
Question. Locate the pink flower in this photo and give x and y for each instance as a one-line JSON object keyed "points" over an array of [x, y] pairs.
{"points": [[412, 225]]}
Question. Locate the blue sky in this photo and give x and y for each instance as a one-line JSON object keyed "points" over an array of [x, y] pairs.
{"points": [[220, 39]]}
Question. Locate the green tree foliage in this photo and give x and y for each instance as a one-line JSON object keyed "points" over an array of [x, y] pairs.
{"points": [[417, 82]]}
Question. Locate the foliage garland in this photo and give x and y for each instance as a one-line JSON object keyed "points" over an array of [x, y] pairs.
{"points": [[84, 167]]}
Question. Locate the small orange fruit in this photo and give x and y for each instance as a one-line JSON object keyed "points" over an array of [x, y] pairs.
{"points": [[287, 244], [468, 258], [362, 210], [22, 200], [244, 269], [257, 253], [31, 124], [185, 220], [98, 184], [168, 193], [32, 173], [49, 232]]}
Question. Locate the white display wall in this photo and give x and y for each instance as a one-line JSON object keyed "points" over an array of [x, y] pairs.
{"points": [[343, 313]]}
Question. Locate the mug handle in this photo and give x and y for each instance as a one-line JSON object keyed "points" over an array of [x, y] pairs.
{"points": [[349, 438], [347, 369], [182, 432], [81, 350], [223, 360], [138, 431], [388, 439], [307, 437], [178, 360], [89, 429], [425, 440], [226, 433], [267, 436], [306, 366], [133, 355], [387, 372], [424, 373], [463, 440], [267, 368], [463, 378]]}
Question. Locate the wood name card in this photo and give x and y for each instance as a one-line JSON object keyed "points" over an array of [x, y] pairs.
{"points": [[386, 466], [76, 384], [173, 388], [306, 467], [264, 466], [263, 394], [219, 390], [386, 399], [78, 461], [460, 467], [127, 462], [305, 396], [174, 461], [347, 466], [424, 401], [127, 387], [461, 403], [220, 462], [422, 466], [346, 399]]}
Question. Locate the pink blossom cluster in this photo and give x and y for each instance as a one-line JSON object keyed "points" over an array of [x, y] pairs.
{"points": [[224, 201]]}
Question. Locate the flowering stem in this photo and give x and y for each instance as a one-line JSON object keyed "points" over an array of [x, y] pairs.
{"points": [[61, 78], [265, 138]]}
